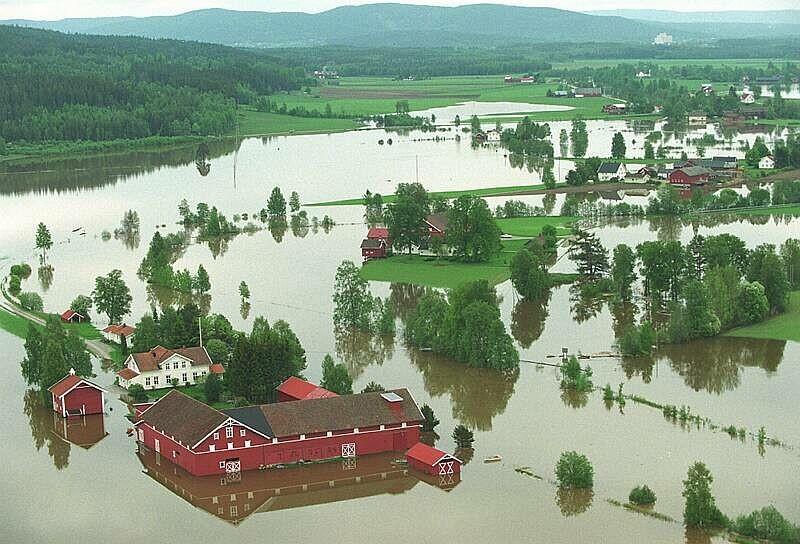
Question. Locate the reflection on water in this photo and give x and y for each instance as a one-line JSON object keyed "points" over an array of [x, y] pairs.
{"points": [[476, 394], [713, 365], [358, 349], [528, 319], [573, 502], [234, 497], [40, 418]]}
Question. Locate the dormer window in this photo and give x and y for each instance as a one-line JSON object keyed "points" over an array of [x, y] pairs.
{"points": [[229, 432]]}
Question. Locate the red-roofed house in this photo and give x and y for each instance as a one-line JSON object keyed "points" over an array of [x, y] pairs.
{"points": [[293, 388], [71, 316], [115, 333], [432, 461], [379, 233], [73, 395], [157, 368], [436, 223]]}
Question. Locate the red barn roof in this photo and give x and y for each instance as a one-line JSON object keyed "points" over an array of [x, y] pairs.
{"points": [[70, 382], [301, 389], [378, 233], [428, 455], [217, 368], [127, 374], [69, 314], [125, 330]]}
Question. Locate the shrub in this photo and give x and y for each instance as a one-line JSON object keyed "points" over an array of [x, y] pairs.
{"points": [[375, 387], [82, 304], [701, 508], [463, 437], [642, 495], [23, 270], [575, 377], [137, 393], [212, 388], [574, 471], [31, 302], [14, 284], [608, 393], [767, 524], [430, 422]]}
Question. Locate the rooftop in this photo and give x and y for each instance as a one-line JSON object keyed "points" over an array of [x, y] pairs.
{"points": [[149, 360]]}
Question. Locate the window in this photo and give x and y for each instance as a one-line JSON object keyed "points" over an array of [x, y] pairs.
{"points": [[194, 376], [234, 510], [211, 447], [147, 382], [169, 378], [155, 380], [183, 364], [230, 445], [203, 373], [216, 436], [215, 499], [185, 378], [250, 495], [242, 432], [141, 435], [173, 454], [221, 465], [246, 443], [229, 432]]}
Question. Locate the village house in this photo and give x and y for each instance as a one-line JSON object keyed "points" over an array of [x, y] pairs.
{"points": [[611, 170], [116, 333], [432, 461], [373, 249], [664, 171], [203, 440], [642, 74], [766, 163], [73, 395], [527, 79], [645, 174], [614, 109], [689, 176], [294, 388], [698, 118], [492, 136], [159, 367], [71, 316], [707, 89], [588, 92], [747, 97], [436, 224]]}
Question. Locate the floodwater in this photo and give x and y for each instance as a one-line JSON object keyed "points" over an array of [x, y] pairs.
{"points": [[466, 110], [110, 492]]}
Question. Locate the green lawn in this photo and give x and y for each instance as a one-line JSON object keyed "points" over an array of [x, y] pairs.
{"points": [[252, 123], [14, 324], [486, 191], [194, 391], [782, 327], [532, 226]]}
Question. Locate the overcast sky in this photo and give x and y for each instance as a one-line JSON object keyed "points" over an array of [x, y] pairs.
{"points": [[59, 9]]}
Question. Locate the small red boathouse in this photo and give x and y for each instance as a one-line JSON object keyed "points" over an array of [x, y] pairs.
{"points": [[73, 395], [432, 461]]}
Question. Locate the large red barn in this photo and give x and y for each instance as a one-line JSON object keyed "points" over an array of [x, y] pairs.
{"points": [[432, 461], [689, 175], [73, 395], [205, 441]]}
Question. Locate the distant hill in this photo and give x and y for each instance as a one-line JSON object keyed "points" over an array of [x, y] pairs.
{"points": [[777, 17]]}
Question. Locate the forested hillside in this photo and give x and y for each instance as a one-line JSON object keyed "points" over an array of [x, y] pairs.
{"points": [[70, 87]]}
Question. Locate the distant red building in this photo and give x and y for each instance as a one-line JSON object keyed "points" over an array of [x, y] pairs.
{"points": [[71, 316], [293, 388], [432, 461], [689, 175], [379, 233], [73, 395], [436, 224], [203, 440], [373, 249]]}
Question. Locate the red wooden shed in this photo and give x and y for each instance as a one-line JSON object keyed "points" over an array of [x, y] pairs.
{"points": [[71, 316], [373, 249], [432, 461], [379, 233], [73, 395], [293, 388]]}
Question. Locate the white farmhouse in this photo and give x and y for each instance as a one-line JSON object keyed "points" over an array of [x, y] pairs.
{"points": [[493, 136], [611, 170], [766, 163], [157, 368], [116, 333]]}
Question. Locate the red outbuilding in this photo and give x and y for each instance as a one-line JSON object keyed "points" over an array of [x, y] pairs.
{"points": [[379, 233], [432, 461], [436, 223], [73, 395], [373, 249], [293, 388], [71, 316], [206, 441], [689, 175]]}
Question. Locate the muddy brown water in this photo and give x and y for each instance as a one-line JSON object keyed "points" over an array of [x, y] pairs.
{"points": [[107, 492]]}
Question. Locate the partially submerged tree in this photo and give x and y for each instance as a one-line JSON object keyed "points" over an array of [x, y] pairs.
{"points": [[111, 296]]}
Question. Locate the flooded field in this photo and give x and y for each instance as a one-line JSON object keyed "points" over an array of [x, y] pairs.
{"points": [[522, 416]]}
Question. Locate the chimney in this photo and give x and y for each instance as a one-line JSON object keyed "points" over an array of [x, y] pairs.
{"points": [[71, 371]]}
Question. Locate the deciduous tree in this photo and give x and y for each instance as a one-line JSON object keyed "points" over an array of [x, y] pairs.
{"points": [[111, 296]]}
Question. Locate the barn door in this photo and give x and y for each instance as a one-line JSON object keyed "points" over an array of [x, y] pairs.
{"points": [[233, 466], [157, 446], [446, 468], [349, 450]]}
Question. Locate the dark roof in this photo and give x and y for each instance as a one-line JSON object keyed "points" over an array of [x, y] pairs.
{"points": [[69, 382], [725, 159], [608, 168], [694, 171], [150, 360], [371, 243], [253, 417], [438, 221], [338, 413], [183, 417]]}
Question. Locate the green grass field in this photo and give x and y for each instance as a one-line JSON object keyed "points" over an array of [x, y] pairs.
{"points": [[194, 391], [14, 324], [485, 191], [256, 123], [595, 63], [782, 327], [532, 226]]}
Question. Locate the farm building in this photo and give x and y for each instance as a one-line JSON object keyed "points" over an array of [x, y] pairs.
{"points": [[698, 118], [766, 163], [614, 109], [116, 333], [71, 316], [493, 136], [644, 174], [429, 460], [584, 92], [293, 388], [373, 249], [689, 175], [379, 233], [436, 224], [157, 368], [747, 97], [204, 441], [73, 395], [611, 170]]}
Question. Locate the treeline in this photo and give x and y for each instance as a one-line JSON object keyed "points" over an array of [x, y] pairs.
{"points": [[532, 58], [55, 86]]}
